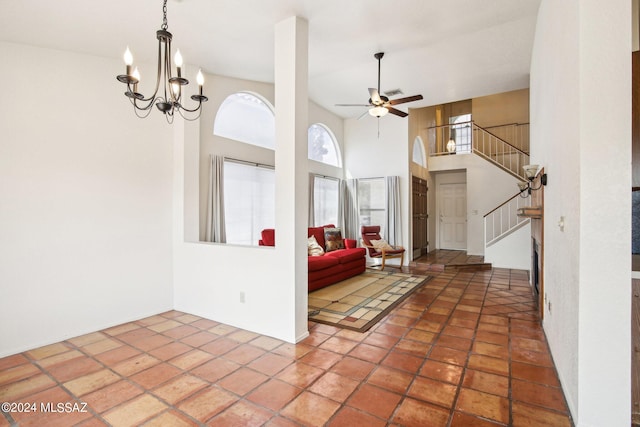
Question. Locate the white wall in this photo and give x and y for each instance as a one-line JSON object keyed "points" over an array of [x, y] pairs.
{"points": [[85, 200], [635, 25], [580, 86], [377, 150], [512, 251], [209, 278], [487, 187]]}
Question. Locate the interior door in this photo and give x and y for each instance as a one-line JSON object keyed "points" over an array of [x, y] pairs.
{"points": [[453, 216], [420, 217]]}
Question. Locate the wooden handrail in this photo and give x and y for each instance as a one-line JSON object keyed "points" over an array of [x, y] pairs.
{"points": [[505, 142], [505, 125], [498, 207], [449, 125], [479, 127]]}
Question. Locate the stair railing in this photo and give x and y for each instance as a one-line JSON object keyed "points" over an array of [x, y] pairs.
{"points": [[504, 219], [509, 157], [516, 134], [480, 141]]}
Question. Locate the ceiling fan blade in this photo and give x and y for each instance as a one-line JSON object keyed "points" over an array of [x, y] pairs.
{"points": [[397, 112], [375, 96], [407, 99], [352, 105]]}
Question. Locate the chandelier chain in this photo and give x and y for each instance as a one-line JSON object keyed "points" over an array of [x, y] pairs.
{"points": [[164, 16]]}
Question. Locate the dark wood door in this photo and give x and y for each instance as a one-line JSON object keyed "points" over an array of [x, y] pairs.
{"points": [[635, 289], [420, 217]]}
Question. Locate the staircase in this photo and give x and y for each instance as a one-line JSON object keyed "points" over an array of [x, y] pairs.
{"points": [[511, 157], [496, 150], [505, 147], [504, 219], [450, 260]]}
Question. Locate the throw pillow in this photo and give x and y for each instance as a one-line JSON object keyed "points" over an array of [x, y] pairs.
{"points": [[333, 239], [313, 248], [381, 244]]}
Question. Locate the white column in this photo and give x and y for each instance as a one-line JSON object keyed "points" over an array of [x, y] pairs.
{"points": [[604, 334], [581, 134], [291, 104]]}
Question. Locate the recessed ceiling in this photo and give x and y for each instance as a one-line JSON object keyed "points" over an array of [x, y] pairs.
{"points": [[445, 50]]}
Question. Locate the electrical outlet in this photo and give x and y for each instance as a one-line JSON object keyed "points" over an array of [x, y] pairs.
{"points": [[242, 298]]}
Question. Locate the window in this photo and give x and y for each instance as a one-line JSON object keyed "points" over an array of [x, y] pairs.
{"points": [[325, 200], [322, 145], [372, 202], [461, 132], [249, 204], [248, 118], [419, 156]]}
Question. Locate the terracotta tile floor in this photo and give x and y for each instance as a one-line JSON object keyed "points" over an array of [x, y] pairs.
{"points": [[465, 350]]}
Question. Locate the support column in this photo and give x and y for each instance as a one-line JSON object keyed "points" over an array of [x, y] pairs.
{"points": [[292, 194]]}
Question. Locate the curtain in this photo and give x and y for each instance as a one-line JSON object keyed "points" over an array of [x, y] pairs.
{"points": [[350, 211], [215, 201], [312, 186], [340, 222], [393, 218]]}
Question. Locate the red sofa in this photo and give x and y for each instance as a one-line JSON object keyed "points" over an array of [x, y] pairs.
{"points": [[332, 267]]}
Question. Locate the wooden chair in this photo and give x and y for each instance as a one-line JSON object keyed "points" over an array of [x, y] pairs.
{"points": [[372, 233]]}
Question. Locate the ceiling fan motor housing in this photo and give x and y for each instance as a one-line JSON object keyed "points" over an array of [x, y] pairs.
{"points": [[383, 102]]}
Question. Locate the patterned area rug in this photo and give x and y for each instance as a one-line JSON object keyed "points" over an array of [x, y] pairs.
{"points": [[360, 302]]}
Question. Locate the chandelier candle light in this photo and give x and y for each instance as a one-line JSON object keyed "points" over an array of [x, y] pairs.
{"points": [[168, 99]]}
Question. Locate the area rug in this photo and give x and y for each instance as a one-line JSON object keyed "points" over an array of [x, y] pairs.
{"points": [[360, 302]]}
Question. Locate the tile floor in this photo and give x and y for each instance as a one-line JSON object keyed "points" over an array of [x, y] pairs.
{"points": [[465, 350]]}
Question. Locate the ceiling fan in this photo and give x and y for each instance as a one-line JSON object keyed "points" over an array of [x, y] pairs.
{"points": [[380, 105]]}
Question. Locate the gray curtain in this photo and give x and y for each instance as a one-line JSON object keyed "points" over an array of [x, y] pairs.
{"points": [[312, 184], [341, 207], [394, 219], [215, 201], [350, 211]]}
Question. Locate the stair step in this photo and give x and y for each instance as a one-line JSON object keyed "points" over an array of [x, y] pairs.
{"points": [[459, 267], [469, 267]]}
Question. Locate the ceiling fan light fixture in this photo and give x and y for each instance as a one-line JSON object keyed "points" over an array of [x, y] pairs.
{"points": [[378, 111]]}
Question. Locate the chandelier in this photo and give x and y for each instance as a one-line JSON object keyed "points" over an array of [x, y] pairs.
{"points": [[167, 95]]}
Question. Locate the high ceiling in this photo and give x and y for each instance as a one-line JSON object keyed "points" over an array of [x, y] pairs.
{"points": [[446, 50]]}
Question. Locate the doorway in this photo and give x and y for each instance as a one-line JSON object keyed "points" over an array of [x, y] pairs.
{"points": [[452, 212], [420, 217]]}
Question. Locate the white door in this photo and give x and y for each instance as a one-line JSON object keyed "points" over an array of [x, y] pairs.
{"points": [[453, 216]]}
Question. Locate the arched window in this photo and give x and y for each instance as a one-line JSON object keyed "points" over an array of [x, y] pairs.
{"points": [[323, 146], [246, 117], [419, 153]]}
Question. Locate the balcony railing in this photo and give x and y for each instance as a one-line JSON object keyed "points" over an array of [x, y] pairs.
{"points": [[469, 138]]}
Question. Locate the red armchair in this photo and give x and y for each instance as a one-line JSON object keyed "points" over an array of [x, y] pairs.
{"points": [[378, 247]]}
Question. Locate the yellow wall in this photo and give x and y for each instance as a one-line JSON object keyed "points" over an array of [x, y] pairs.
{"points": [[492, 110], [501, 109]]}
